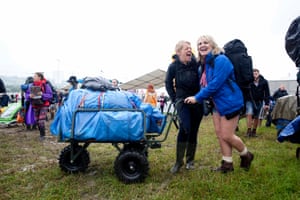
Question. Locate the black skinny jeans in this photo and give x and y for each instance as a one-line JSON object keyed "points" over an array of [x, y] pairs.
{"points": [[190, 116]]}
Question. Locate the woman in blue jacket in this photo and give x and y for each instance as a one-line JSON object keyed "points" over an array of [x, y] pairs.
{"points": [[218, 83]]}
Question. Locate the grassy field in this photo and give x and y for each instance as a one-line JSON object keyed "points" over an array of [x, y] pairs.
{"points": [[29, 170]]}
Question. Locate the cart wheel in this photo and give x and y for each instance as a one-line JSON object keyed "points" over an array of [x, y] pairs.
{"points": [[298, 153], [80, 164], [136, 147], [131, 166]]}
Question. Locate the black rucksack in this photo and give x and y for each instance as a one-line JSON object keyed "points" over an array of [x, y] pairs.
{"points": [[236, 51], [292, 41]]}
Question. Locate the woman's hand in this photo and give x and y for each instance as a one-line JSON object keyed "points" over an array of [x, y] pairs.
{"points": [[190, 100]]}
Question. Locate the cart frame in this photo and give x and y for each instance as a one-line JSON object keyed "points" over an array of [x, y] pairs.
{"points": [[131, 165]]}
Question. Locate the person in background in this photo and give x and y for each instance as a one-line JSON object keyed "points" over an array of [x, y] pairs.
{"points": [[257, 100], [73, 86], [73, 82], [12, 98], [182, 80], [39, 94], [280, 92], [4, 98], [218, 83], [277, 94], [29, 113], [115, 84], [162, 99], [151, 96]]}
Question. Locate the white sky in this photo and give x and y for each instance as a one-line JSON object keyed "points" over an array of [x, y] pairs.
{"points": [[124, 39]]}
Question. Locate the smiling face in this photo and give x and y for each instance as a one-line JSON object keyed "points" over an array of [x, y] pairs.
{"points": [[184, 52], [204, 46]]}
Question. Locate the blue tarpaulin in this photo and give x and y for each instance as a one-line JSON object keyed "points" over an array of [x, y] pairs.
{"points": [[111, 116], [291, 132]]}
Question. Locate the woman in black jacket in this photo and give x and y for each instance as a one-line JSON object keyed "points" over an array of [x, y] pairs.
{"points": [[182, 80]]}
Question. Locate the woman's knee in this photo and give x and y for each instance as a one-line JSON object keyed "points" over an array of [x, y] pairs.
{"points": [[225, 136]]}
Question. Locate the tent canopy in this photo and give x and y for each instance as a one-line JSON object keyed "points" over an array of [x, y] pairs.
{"points": [[156, 77]]}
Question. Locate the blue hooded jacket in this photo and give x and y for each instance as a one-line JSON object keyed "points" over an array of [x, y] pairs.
{"points": [[221, 85]]}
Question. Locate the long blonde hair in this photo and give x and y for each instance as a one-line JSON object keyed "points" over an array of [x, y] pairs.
{"points": [[215, 48]]}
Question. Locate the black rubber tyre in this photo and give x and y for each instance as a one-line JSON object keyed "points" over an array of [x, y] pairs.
{"points": [[131, 166], [298, 153], [80, 164], [140, 147]]}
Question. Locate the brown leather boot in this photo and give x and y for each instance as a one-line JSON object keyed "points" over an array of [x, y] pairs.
{"points": [[225, 167], [246, 160]]}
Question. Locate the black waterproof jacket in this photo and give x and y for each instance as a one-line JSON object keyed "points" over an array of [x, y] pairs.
{"points": [[279, 93], [261, 92], [186, 79]]}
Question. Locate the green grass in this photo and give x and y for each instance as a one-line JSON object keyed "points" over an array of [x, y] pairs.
{"points": [[29, 170]]}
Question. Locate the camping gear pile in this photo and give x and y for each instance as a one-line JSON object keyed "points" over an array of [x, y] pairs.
{"points": [[108, 116]]}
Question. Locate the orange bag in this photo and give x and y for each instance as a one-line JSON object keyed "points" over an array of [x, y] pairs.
{"points": [[20, 117]]}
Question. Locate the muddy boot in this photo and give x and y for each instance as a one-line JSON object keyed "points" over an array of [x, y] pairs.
{"points": [[253, 133], [34, 127], [180, 151], [28, 127], [249, 133], [225, 167], [246, 160], [42, 133], [190, 156]]}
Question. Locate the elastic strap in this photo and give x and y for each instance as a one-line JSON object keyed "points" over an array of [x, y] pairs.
{"points": [[81, 104]]}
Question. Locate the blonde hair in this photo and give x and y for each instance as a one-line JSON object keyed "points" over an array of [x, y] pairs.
{"points": [[215, 48], [180, 45]]}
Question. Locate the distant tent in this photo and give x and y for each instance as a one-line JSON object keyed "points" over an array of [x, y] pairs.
{"points": [[156, 77]]}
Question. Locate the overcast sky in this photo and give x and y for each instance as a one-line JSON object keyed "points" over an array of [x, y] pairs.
{"points": [[124, 39]]}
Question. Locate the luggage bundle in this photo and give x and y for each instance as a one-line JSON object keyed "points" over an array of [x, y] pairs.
{"points": [[111, 116]]}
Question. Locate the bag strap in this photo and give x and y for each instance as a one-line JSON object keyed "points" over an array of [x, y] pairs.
{"points": [[212, 63], [131, 102], [99, 99], [298, 100], [81, 104]]}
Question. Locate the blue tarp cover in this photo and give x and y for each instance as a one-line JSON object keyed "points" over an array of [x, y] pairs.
{"points": [[124, 123], [291, 132]]}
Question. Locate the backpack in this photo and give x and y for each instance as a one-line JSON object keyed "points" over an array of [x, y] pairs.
{"points": [[54, 93], [292, 41], [236, 51]]}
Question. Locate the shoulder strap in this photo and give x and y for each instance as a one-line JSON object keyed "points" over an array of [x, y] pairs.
{"points": [[298, 100], [212, 63]]}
